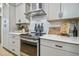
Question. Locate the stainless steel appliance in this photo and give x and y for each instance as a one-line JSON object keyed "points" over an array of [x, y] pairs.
{"points": [[30, 44], [32, 39]]}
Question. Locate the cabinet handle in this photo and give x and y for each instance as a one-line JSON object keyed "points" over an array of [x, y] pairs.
{"points": [[13, 42], [13, 36], [13, 49], [59, 46]]}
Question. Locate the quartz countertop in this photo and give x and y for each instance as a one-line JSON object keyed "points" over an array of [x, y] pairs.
{"points": [[73, 40], [17, 33]]}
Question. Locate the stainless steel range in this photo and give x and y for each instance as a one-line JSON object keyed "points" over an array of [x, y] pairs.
{"points": [[31, 40], [30, 44]]}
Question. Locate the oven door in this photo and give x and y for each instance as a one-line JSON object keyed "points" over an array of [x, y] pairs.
{"points": [[29, 47]]}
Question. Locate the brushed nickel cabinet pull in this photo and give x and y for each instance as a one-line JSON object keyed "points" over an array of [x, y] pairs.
{"points": [[59, 46], [13, 42], [13, 49], [13, 36]]}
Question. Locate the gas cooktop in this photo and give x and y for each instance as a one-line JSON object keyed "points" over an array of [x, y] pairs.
{"points": [[29, 36]]}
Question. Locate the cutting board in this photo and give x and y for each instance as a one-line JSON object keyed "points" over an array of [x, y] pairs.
{"points": [[65, 25], [63, 29], [53, 30]]}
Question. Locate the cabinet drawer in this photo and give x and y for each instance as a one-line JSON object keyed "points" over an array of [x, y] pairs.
{"points": [[14, 47], [14, 36], [47, 42], [14, 40], [15, 50], [14, 43], [48, 51], [61, 45]]}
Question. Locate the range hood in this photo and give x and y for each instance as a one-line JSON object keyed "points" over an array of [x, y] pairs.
{"points": [[37, 10]]}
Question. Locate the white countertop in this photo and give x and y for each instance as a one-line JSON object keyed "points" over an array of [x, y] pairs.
{"points": [[73, 40], [18, 33]]}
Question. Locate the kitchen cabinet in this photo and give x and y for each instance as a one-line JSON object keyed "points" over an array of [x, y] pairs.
{"points": [[58, 11], [5, 25], [12, 17], [8, 22], [0, 14], [14, 43], [20, 16], [0, 10], [48, 51], [53, 11], [56, 48], [27, 9], [9, 14], [70, 10], [0, 4]]}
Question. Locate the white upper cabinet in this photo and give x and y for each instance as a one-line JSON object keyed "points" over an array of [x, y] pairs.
{"points": [[0, 8], [0, 11], [36, 9], [53, 11], [70, 10], [12, 17], [20, 10], [63, 10]]}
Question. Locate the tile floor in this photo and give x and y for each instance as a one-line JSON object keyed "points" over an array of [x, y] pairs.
{"points": [[4, 52]]}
